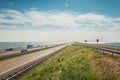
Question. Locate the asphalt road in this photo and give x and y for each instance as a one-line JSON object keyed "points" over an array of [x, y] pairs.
{"points": [[10, 66], [17, 51]]}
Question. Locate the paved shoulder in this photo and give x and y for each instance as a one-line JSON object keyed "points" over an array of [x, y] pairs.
{"points": [[10, 66]]}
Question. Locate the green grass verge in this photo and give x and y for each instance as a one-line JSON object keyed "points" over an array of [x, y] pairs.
{"points": [[74, 63], [99, 45]]}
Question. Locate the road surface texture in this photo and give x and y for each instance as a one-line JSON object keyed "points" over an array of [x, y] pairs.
{"points": [[10, 66], [18, 51]]}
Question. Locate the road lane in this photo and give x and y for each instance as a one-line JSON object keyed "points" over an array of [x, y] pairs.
{"points": [[10, 66], [18, 51]]}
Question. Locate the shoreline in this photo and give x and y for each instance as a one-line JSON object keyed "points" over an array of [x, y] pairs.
{"points": [[15, 53]]}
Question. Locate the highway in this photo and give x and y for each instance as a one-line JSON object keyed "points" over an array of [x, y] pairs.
{"points": [[18, 51], [10, 66]]}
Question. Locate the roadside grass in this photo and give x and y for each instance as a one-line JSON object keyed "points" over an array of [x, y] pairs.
{"points": [[99, 45], [75, 63]]}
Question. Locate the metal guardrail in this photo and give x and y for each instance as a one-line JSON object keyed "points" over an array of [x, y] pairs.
{"points": [[102, 49], [23, 53], [32, 65], [107, 50]]}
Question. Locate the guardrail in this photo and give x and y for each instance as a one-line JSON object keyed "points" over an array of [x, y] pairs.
{"points": [[23, 53], [32, 65], [102, 49], [107, 50]]}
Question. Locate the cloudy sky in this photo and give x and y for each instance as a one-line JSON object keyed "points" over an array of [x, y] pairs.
{"points": [[60, 20]]}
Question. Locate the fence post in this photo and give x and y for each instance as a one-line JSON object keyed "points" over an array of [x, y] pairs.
{"points": [[103, 51], [112, 54]]}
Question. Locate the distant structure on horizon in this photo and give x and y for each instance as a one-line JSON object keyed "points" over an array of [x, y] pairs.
{"points": [[97, 40], [85, 40]]}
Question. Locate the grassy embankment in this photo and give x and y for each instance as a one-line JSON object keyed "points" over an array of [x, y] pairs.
{"points": [[75, 63]]}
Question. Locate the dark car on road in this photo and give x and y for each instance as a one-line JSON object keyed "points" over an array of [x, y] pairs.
{"points": [[9, 49], [29, 46], [23, 50]]}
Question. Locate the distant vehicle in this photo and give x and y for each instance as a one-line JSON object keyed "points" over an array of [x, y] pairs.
{"points": [[29, 46], [23, 50], [46, 46], [9, 49]]}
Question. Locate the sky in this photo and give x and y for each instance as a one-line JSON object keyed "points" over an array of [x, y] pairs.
{"points": [[60, 20]]}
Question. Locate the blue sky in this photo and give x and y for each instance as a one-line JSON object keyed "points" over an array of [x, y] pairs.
{"points": [[85, 16], [106, 7]]}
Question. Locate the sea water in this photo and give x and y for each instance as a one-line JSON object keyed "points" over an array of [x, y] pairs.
{"points": [[5, 45], [114, 44]]}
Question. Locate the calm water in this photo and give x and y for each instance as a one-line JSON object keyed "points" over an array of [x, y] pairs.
{"points": [[4, 45], [114, 44]]}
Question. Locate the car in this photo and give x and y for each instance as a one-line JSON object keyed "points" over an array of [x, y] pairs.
{"points": [[9, 49], [23, 50], [29, 46]]}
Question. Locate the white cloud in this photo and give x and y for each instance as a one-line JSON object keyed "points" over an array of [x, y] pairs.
{"points": [[62, 20], [12, 17], [69, 26], [32, 35]]}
